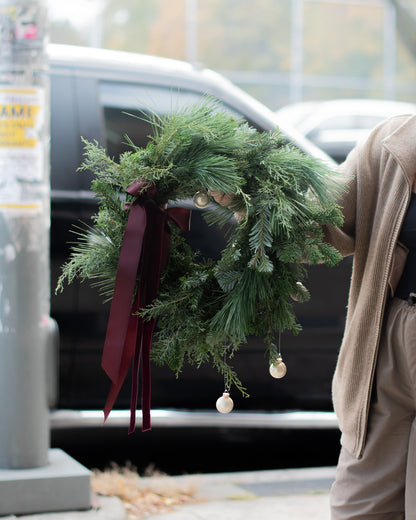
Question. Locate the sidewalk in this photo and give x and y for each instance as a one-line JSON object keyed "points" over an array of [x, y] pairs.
{"points": [[296, 494], [299, 494]]}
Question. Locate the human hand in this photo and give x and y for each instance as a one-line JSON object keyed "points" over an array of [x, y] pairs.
{"points": [[226, 200]]}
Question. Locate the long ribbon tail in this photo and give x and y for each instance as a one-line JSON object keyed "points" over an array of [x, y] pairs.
{"points": [[150, 271], [147, 341], [135, 376], [120, 311], [128, 352]]}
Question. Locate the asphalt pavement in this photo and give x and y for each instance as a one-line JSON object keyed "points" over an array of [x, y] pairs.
{"points": [[298, 494]]}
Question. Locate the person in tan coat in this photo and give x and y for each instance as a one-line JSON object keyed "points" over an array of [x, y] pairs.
{"points": [[374, 386]]}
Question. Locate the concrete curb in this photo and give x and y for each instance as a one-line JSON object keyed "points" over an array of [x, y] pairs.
{"points": [[103, 508]]}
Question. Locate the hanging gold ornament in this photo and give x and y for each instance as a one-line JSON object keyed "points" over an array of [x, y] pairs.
{"points": [[301, 293], [224, 403], [278, 369], [201, 199]]}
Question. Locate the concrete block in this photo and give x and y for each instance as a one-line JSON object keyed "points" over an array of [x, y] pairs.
{"points": [[61, 485]]}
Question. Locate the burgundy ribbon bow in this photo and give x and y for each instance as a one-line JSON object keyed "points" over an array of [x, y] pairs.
{"points": [[144, 250]]}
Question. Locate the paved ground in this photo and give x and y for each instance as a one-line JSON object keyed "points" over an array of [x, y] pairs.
{"points": [[299, 494], [294, 494]]}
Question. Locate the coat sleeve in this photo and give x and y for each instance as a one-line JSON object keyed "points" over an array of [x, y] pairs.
{"points": [[343, 238], [362, 166]]}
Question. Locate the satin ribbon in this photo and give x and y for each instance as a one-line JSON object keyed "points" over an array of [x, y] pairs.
{"points": [[144, 251]]}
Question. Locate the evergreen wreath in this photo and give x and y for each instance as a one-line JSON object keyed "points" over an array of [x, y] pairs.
{"points": [[205, 309]]}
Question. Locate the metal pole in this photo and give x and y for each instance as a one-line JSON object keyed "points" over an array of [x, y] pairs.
{"points": [[24, 234], [33, 478]]}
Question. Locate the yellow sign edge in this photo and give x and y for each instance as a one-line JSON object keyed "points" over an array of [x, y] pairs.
{"points": [[9, 205]]}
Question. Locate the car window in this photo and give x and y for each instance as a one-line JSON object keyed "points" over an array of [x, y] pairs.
{"points": [[367, 121], [64, 134], [337, 122], [126, 110], [347, 122]]}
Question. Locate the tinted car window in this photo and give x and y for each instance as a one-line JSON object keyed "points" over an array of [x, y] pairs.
{"points": [[344, 122], [64, 134], [366, 121], [348, 122], [127, 108]]}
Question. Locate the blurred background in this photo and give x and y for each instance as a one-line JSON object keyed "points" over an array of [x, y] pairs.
{"points": [[332, 69], [279, 52], [324, 72]]}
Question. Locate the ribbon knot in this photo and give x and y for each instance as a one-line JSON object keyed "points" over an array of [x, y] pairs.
{"points": [[143, 256], [142, 186]]}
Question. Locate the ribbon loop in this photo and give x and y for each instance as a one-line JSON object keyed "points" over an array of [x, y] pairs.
{"points": [[181, 217], [142, 187]]}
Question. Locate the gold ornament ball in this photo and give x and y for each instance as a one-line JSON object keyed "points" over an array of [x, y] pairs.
{"points": [[301, 293], [278, 369], [224, 403], [201, 199]]}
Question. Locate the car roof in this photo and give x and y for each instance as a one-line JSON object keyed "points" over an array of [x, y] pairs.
{"points": [[107, 60], [128, 67]]}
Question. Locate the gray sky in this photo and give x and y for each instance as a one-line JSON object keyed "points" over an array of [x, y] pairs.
{"points": [[79, 12]]}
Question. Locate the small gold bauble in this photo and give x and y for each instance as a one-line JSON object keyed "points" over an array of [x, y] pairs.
{"points": [[278, 369], [201, 199], [224, 403], [301, 293]]}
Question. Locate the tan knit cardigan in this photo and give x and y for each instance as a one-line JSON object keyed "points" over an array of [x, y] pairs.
{"points": [[378, 176]]}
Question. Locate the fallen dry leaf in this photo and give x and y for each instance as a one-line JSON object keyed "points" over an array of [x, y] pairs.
{"points": [[140, 496]]}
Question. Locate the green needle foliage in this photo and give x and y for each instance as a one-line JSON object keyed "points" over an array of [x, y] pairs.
{"points": [[205, 309]]}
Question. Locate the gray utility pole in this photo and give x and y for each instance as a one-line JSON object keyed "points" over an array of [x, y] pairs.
{"points": [[27, 333]]}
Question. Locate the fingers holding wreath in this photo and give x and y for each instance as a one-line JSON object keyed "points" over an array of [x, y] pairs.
{"points": [[227, 200], [224, 199]]}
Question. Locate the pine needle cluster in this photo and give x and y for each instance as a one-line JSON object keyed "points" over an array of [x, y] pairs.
{"points": [[206, 309]]}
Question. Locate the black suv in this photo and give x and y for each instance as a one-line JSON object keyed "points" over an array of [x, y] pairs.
{"points": [[93, 94]]}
